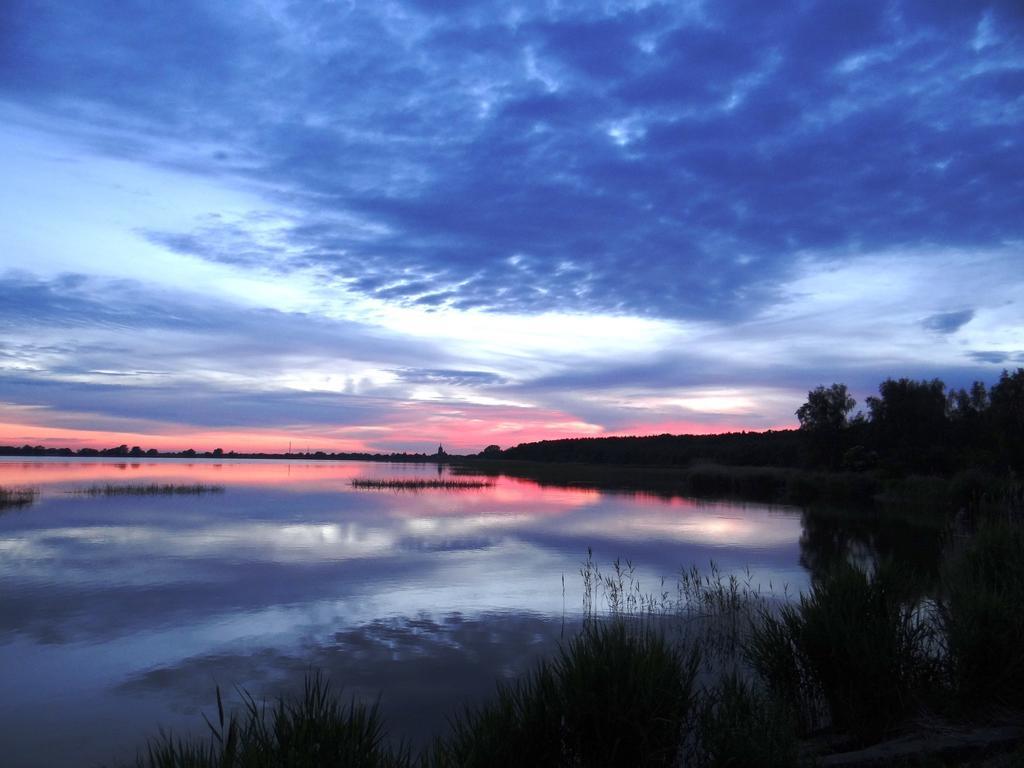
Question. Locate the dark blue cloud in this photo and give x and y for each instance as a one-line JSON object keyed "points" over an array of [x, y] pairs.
{"points": [[109, 325], [949, 322], [447, 376], [996, 357], [197, 405], [649, 160]]}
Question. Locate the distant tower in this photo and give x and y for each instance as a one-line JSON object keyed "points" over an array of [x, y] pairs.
{"points": [[440, 450]]}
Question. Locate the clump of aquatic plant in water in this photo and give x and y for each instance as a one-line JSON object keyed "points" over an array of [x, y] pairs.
{"points": [[151, 489], [17, 497], [419, 484]]}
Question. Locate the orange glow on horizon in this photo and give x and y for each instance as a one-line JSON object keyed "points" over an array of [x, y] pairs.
{"points": [[239, 440]]}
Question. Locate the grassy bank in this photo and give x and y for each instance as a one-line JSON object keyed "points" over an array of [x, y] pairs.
{"points": [[919, 496], [715, 673], [769, 484]]}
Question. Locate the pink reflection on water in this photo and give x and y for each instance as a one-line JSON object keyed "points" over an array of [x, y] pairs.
{"points": [[56, 475], [512, 494], [506, 501], [64, 475]]}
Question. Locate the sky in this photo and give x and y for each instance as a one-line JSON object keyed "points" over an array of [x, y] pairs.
{"points": [[384, 225]]}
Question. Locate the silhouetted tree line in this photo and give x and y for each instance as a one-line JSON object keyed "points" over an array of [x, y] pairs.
{"points": [[909, 427], [123, 451], [773, 448]]}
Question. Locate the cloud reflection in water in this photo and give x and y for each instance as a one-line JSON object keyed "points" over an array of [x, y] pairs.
{"points": [[153, 598]]}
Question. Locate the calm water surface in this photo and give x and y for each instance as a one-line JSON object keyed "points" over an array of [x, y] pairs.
{"points": [[122, 613]]}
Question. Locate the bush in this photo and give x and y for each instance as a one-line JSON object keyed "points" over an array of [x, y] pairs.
{"points": [[968, 489], [314, 731], [982, 613], [739, 725], [855, 645], [614, 696]]}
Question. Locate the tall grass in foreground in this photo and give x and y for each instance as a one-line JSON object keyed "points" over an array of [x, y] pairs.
{"points": [[858, 655], [613, 696], [982, 615], [152, 489], [17, 497], [855, 652], [740, 724], [313, 731], [418, 484]]}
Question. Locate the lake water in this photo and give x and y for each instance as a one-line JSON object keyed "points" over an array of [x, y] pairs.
{"points": [[120, 614]]}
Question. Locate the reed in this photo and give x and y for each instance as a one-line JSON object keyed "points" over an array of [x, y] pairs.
{"points": [[859, 655], [152, 489], [740, 724], [855, 653], [982, 616], [17, 497], [419, 484], [312, 730], [615, 695]]}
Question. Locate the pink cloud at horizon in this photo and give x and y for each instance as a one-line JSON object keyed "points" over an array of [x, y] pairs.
{"points": [[464, 438], [692, 428]]}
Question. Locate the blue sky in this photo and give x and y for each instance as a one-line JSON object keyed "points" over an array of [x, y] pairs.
{"points": [[384, 225]]}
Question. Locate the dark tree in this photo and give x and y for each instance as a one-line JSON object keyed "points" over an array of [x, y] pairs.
{"points": [[826, 409], [909, 424], [969, 432], [1007, 415], [824, 419]]}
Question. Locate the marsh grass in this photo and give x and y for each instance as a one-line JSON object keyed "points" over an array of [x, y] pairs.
{"points": [[740, 724], [857, 652], [419, 484], [314, 730], [152, 489], [615, 695], [709, 608], [711, 672], [982, 615], [17, 497]]}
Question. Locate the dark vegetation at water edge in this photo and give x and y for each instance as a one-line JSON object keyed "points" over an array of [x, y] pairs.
{"points": [[769, 484], [718, 674], [927, 499], [911, 427], [152, 489], [418, 484], [919, 451], [17, 497]]}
